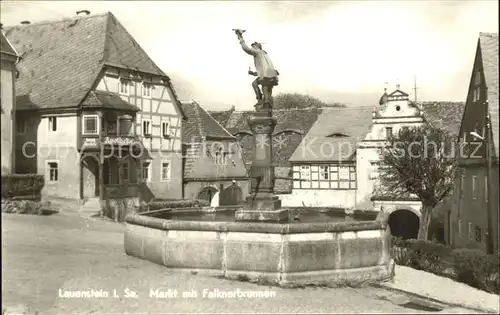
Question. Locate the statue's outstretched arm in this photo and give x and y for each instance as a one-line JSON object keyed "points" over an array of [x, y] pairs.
{"points": [[247, 49]]}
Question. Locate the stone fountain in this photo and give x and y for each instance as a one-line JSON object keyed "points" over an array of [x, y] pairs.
{"points": [[259, 241]]}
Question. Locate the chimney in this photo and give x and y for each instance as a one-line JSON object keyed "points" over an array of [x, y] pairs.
{"points": [[25, 22], [82, 12]]}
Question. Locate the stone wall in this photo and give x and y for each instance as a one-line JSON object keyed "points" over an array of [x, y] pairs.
{"points": [[319, 198]]}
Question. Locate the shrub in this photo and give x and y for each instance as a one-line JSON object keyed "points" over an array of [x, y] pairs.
{"points": [[477, 269], [177, 203], [400, 251], [429, 256], [26, 207], [421, 255], [21, 185], [468, 266]]}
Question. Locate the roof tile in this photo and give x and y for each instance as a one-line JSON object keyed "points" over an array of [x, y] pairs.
{"points": [[109, 100], [489, 52], [335, 135], [222, 116], [200, 124], [62, 59], [444, 115]]}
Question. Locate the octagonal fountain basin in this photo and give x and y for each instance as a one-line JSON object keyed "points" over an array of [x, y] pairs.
{"points": [[318, 249]]}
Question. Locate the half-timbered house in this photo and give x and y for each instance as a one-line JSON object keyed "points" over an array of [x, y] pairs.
{"points": [[100, 118]]}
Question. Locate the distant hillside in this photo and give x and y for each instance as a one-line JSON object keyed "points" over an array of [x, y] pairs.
{"points": [[298, 101]]}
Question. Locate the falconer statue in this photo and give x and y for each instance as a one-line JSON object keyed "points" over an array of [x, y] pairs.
{"points": [[267, 75]]}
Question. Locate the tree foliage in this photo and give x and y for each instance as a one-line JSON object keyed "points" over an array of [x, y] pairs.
{"points": [[296, 100], [419, 161]]}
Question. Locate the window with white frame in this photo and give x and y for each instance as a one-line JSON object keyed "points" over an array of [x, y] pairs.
{"points": [[90, 125], [165, 129], [305, 172], [146, 127], [332, 176], [125, 86], [146, 171], [20, 125], [52, 124], [471, 232], [324, 172], [146, 90], [374, 172], [474, 187], [165, 170], [53, 171]]}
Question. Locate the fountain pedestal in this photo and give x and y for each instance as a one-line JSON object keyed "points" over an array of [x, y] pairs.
{"points": [[262, 205]]}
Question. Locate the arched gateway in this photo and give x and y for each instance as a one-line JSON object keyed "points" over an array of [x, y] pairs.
{"points": [[404, 223], [209, 194]]}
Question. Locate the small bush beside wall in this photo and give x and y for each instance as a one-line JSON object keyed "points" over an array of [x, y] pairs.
{"points": [[22, 186], [26, 207], [472, 267]]}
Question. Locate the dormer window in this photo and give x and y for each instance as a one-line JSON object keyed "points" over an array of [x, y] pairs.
{"points": [[337, 135], [146, 90], [220, 157], [124, 87]]}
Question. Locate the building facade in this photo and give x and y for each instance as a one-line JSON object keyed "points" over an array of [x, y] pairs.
{"points": [[8, 60], [473, 221], [337, 163], [324, 164], [97, 116], [214, 168]]}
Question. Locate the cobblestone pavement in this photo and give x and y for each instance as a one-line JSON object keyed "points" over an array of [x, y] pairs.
{"points": [[42, 254]]}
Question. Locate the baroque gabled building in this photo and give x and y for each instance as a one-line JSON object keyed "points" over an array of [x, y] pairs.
{"points": [[95, 114]]}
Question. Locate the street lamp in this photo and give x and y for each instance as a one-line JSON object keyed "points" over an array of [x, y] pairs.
{"points": [[485, 139]]}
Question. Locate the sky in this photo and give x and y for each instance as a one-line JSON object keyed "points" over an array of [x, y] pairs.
{"points": [[338, 51]]}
